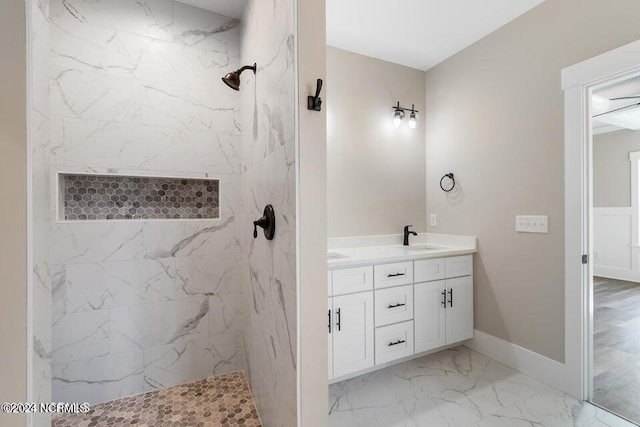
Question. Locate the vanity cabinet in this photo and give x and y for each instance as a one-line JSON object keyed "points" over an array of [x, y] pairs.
{"points": [[459, 311], [444, 312], [381, 313], [351, 333], [430, 315]]}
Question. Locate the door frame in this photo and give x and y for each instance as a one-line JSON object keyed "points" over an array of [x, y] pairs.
{"points": [[578, 82]]}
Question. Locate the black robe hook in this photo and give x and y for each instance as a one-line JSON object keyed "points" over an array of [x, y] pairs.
{"points": [[314, 103]]}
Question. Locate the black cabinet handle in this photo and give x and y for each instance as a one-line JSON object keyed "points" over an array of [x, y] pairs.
{"points": [[444, 299], [329, 321], [395, 274], [451, 297], [396, 343], [338, 324], [396, 305]]}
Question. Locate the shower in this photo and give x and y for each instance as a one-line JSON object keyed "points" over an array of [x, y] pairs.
{"points": [[233, 79]]}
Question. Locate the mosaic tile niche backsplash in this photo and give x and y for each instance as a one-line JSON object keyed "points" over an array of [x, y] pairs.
{"points": [[95, 197]]}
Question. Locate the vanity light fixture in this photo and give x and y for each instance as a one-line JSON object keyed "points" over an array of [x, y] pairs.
{"points": [[399, 114]]}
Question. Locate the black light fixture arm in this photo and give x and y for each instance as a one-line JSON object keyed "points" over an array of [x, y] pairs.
{"points": [[397, 107]]}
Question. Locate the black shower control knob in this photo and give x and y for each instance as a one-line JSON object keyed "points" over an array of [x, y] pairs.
{"points": [[267, 222]]}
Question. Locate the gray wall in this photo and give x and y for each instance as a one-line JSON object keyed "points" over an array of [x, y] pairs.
{"points": [[612, 168], [376, 176], [495, 118], [13, 186]]}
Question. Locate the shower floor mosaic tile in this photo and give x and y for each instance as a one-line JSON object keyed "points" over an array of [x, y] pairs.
{"points": [[224, 400]]}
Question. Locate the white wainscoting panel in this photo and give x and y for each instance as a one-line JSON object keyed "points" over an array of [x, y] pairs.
{"points": [[612, 243]]}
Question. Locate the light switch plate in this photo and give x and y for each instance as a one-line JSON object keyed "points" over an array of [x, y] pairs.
{"points": [[532, 223], [433, 220]]}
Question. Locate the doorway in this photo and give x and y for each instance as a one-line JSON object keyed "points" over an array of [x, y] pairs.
{"points": [[601, 263], [615, 284]]}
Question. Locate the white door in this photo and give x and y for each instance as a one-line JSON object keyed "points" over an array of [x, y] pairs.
{"points": [[352, 333], [330, 335], [429, 315], [459, 311]]}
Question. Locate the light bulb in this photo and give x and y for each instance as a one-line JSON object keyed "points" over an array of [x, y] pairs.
{"points": [[398, 115], [413, 120]]}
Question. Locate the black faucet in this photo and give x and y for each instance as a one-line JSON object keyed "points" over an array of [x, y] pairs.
{"points": [[406, 234]]}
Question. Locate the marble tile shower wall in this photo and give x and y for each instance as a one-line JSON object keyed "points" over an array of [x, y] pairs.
{"points": [[39, 144], [269, 267], [135, 89]]}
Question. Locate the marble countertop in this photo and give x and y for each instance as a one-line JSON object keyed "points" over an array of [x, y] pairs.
{"points": [[355, 251]]}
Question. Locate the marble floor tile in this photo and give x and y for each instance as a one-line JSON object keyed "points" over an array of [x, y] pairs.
{"points": [[457, 387]]}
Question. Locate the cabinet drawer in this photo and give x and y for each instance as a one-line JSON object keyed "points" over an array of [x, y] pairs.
{"points": [[350, 280], [429, 270], [393, 305], [400, 273], [459, 266], [394, 342], [330, 288]]}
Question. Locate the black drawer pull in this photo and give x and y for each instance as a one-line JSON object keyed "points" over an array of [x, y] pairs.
{"points": [[397, 342], [329, 321], [396, 305], [444, 299], [338, 323], [395, 274], [451, 297]]}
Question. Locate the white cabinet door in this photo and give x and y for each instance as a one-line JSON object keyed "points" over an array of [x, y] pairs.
{"points": [[352, 333], [429, 315], [459, 311], [330, 334]]}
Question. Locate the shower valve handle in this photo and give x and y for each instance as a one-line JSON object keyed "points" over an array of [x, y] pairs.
{"points": [[267, 222]]}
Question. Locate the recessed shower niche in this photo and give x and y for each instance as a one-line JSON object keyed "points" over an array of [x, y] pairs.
{"points": [[94, 197]]}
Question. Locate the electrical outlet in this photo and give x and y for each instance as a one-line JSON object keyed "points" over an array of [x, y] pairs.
{"points": [[532, 223], [433, 220]]}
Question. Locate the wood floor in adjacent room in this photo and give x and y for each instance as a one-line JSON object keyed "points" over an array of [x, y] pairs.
{"points": [[616, 359]]}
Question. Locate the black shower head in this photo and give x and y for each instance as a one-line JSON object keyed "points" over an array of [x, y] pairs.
{"points": [[233, 79]]}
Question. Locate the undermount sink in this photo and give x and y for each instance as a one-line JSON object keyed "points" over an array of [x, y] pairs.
{"points": [[336, 255]]}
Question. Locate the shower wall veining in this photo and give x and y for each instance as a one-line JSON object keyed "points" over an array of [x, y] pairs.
{"points": [[135, 89], [268, 104]]}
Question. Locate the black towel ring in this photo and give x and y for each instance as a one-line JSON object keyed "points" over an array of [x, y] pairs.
{"points": [[453, 182]]}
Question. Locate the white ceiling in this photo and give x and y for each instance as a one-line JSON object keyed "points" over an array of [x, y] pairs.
{"points": [[416, 33], [624, 118], [232, 8]]}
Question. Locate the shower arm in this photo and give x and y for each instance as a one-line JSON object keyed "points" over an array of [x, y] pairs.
{"points": [[246, 67]]}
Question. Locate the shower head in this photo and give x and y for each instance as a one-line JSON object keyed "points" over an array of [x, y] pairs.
{"points": [[233, 79]]}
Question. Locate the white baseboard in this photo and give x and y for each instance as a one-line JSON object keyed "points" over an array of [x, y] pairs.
{"points": [[548, 371], [616, 273]]}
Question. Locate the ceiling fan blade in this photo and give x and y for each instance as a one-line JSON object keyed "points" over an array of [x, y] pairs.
{"points": [[617, 109], [625, 97]]}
